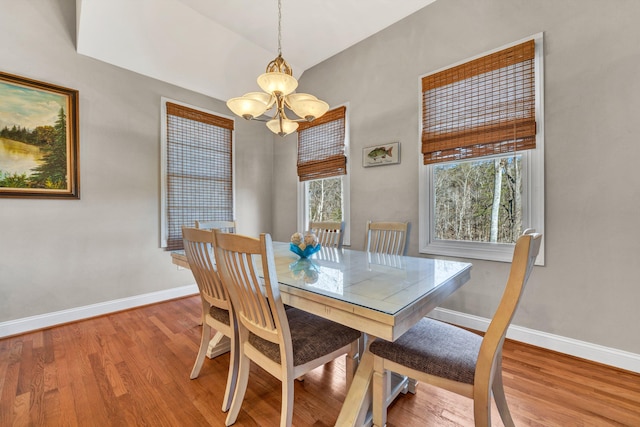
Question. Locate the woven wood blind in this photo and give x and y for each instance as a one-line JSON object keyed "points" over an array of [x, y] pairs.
{"points": [[482, 107], [199, 170], [321, 146]]}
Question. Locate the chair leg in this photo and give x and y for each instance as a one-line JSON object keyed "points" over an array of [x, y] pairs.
{"points": [[412, 385], [232, 376], [241, 388], [501, 399], [286, 416], [482, 408], [205, 309], [351, 363], [202, 352], [379, 402]]}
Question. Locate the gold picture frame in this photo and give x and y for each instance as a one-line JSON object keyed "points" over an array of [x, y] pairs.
{"points": [[380, 155], [38, 139]]}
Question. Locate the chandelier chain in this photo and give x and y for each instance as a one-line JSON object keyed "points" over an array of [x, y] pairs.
{"points": [[279, 27]]}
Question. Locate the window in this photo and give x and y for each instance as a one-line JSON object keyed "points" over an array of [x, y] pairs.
{"points": [[197, 169], [322, 170], [482, 175]]}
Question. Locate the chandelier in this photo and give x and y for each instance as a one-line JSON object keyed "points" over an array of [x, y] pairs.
{"points": [[278, 85]]}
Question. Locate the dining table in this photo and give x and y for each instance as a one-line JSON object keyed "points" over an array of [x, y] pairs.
{"points": [[379, 294]]}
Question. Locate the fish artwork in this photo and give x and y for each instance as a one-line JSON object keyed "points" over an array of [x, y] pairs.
{"points": [[380, 152]]}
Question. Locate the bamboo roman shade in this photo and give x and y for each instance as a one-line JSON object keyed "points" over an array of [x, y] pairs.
{"points": [[199, 169], [321, 145], [482, 107]]}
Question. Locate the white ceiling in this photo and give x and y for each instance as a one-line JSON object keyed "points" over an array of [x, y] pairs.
{"points": [[219, 47]]}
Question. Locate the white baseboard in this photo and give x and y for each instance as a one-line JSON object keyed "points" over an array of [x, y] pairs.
{"points": [[33, 323], [597, 353]]}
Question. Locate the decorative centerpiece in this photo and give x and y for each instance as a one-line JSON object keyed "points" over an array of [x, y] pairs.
{"points": [[304, 245]]}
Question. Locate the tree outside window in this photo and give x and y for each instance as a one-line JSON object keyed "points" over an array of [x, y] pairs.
{"points": [[325, 199], [479, 200]]}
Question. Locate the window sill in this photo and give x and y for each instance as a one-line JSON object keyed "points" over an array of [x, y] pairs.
{"points": [[501, 252]]}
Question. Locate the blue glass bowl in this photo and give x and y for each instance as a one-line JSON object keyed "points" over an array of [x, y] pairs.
{"points": [[306, 253]]}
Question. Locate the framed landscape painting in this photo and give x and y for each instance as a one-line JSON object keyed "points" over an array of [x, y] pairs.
{"points": [[38, 139]]}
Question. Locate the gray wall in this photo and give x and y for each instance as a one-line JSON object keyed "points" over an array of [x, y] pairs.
{"points": [[62, 254], [589, 289]]}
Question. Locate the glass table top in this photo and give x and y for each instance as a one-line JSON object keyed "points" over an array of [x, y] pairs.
{"points": [[386, 283]]}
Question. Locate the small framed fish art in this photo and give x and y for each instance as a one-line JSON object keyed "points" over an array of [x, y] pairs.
{"points": [[378, 155]]}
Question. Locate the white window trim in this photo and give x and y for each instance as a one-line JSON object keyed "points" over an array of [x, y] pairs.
{"points": [[532, 197], [303, 211], [164, 225]]}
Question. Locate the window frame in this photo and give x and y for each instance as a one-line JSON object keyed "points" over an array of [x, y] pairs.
{"points": [[302, 200], [164, 224], [532, 191]]}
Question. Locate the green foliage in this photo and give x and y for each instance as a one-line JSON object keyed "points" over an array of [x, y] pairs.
{"points": [[16, 133], [14, 180], [44, 135], [55, 185], [52, 173], [40, 136]]}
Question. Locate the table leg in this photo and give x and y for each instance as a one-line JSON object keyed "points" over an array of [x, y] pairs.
{"points": [[356, 409], [218, 345], [358, 399]]}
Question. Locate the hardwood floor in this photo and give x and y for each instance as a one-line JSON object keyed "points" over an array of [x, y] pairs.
{"points": [[132, 368]]}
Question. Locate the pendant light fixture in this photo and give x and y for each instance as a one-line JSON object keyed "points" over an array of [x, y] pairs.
{"points": [[278, 85]]}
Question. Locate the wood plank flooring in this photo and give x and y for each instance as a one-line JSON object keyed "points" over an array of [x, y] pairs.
{"points": [[132, 369]]}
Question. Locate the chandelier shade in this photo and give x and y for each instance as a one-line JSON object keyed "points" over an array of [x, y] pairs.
{"points": [[275, 82], [282, 126], [307, 106], [251, 105], [279, 87]]}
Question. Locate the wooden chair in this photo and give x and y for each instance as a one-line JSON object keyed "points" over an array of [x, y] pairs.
{"points": [[216, 306], [287, 344], [226, 226], [329, 234], [386, 237], [456, 359]]}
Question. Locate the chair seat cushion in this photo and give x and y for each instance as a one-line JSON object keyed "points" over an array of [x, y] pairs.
{"points": [[312, 337], [220, 314], [435, 348]]}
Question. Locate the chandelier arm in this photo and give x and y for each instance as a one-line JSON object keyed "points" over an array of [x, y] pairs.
{"points": [[257, 119], [279, 106], [282, 103]]}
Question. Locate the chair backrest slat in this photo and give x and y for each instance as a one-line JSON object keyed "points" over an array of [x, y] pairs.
{"points": [[329, 234], [198, 247], [386, 237]]}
